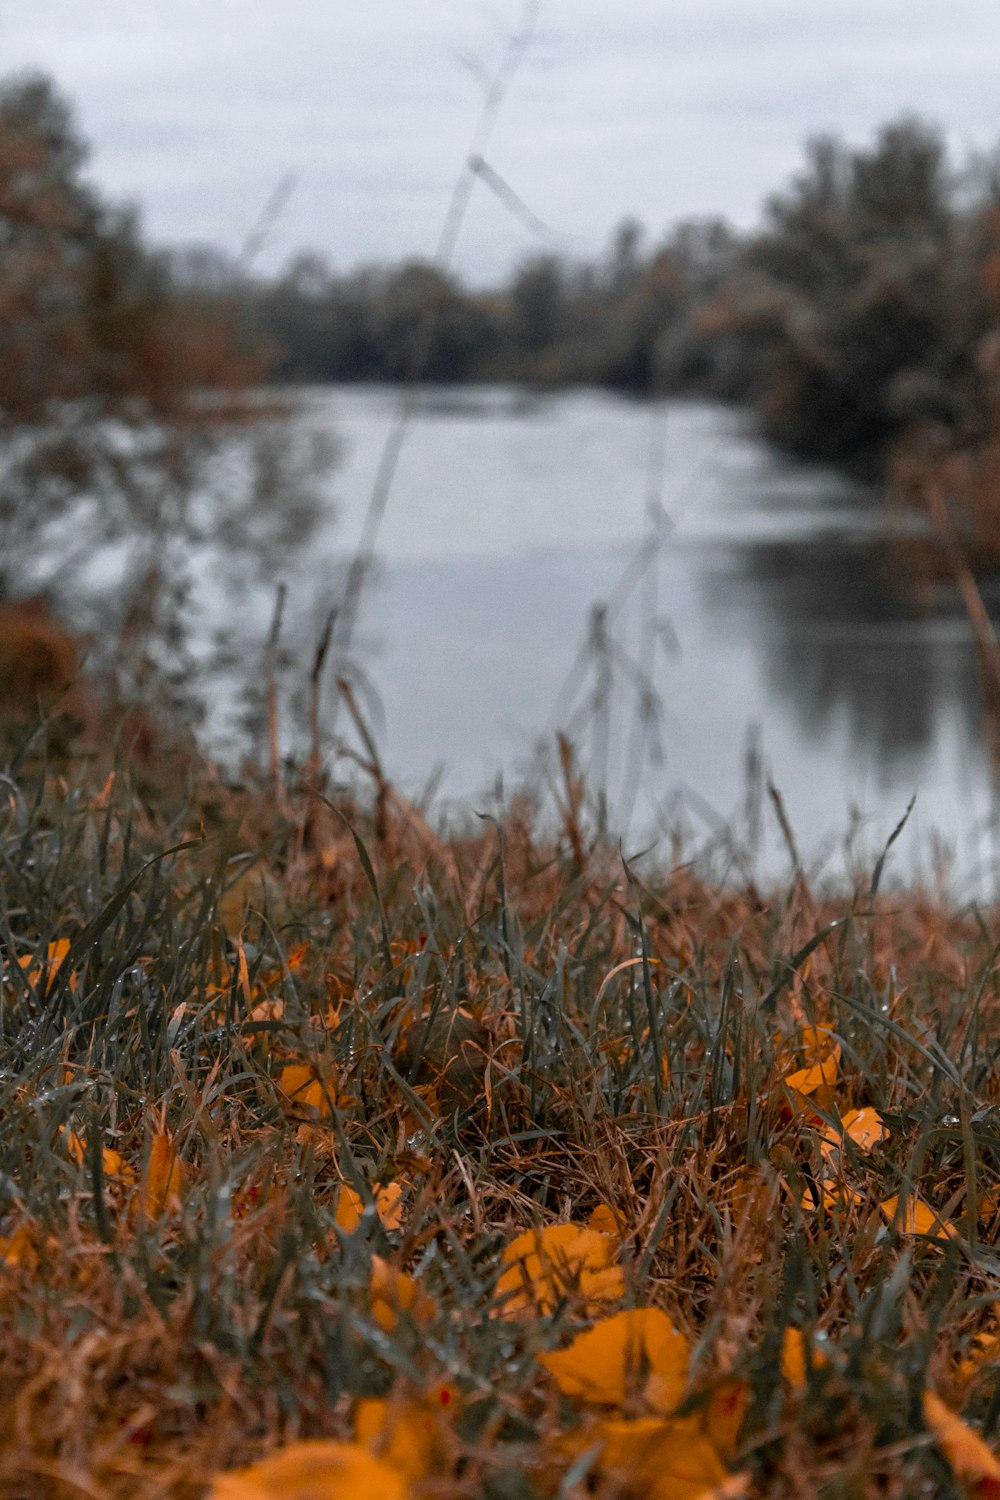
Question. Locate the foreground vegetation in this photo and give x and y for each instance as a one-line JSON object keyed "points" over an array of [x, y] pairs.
{"points": [[338, 1159]]}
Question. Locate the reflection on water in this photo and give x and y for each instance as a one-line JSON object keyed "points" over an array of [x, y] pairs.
{"points": [[842, 634]]}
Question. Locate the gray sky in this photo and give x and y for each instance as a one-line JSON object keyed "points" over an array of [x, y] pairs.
{"points": [[195, 109]]}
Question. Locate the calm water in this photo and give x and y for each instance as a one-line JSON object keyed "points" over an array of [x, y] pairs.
{"points": [[766, 613]]}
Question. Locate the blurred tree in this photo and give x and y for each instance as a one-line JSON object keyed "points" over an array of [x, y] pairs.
{"points": [[625, 264], [847, 302], [427, 328], [118, 391], [125, 405], [536, 299]]}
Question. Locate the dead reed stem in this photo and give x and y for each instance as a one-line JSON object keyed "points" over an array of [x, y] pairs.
{"points": [[273, 739], [984, 636]]}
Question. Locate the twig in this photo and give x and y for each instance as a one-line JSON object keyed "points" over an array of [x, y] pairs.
{"points": [[574, 787], [516, 205], [373, 764], [273, 757], [361, 562], [315, 684], [984, 636], [601, 709], [274, 207], [799, 883]]}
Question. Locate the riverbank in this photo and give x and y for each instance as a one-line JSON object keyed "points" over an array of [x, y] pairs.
{"points": [[488, 1165]]}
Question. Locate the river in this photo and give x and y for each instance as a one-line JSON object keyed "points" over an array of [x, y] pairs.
{"points": [[753, 619]]}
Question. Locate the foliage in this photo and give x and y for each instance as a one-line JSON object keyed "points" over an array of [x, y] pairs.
{"points": [[865, 298], [713, 1223], [120, 400]]}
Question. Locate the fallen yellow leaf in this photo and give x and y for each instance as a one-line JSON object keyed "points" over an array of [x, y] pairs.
{"points": [[653, 1459], [393, 1292], [723, 1413], [35, 970], [304, 1089], [794, 1363], [865, 1127], [20, 1248], [112, 1163], [163, 1178], [916, 1217], [818, 1076], [607, 1220], [984, 1347], [313, 1470], [410, 1434], [389, 1205], [544, 1267], [833, 1195], [351, 1206], [635, 1355], [989, 1202], [973, 1463], [811, 1044]]}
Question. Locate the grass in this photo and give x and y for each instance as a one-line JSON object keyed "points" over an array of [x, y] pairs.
{"points": [[201, 1249]]}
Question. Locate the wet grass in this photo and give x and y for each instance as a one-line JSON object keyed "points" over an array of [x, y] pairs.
{"points": [[510, 1030]]}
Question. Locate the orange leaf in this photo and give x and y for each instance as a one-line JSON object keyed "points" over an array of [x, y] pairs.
{"points": [[112, 1164], [835, 1195], [21, 1247], [412, 1435], [54, 955], [818, 1042], [607, 1220], [865, 1127], [389, 1205], [163, 1178], [545, 1266], [393, 1292], [796, 1356], [983, 1347], [819, 1075], [723, 1414], [303, 1087], [313, 1470], [916, 1217], [633, 1354], [351, 1207], [658, 1460], [244, 973], [973, 1463]]}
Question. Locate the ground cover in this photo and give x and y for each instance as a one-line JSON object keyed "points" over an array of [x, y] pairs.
{"points": [[341, 1159]]}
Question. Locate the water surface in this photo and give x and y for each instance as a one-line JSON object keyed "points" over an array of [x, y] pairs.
{"points": [[769, 614]]}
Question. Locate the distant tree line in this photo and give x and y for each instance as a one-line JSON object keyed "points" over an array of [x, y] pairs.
{"points": [[867, 304]]}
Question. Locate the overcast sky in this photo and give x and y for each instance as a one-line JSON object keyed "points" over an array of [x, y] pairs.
{"points": [[196, 109]]}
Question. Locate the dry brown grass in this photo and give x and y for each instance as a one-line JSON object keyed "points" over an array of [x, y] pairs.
{"points": [[509, 1031]]}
